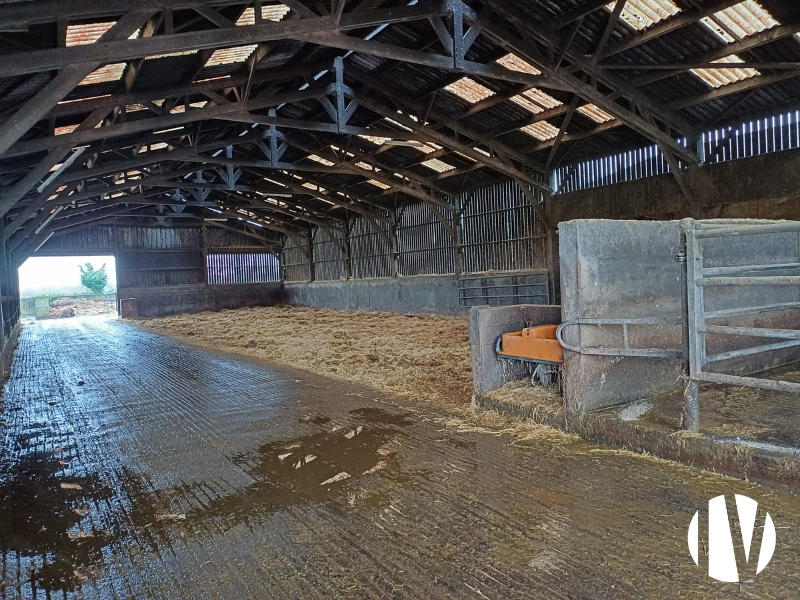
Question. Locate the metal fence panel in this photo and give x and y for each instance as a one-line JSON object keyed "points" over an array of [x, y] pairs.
{"points": [[295, 262], [370, 252], [243, 267], [329, 260], [425, 246], [501, 231]]}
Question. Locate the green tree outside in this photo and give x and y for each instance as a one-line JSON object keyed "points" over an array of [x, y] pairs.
{"points": [[94, 280]]}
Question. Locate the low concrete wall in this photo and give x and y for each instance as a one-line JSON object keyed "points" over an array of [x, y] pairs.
{"points": [[9, 344], [424, 294], [486, 324], [173, 300]]}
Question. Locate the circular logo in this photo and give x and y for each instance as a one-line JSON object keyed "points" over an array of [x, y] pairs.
{"points": [[721, 554]]}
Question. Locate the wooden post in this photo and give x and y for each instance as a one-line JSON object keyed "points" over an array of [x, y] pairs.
{"points": [[204, 247], [312, 275]]}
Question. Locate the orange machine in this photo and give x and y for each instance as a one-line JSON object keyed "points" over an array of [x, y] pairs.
{"points": [[536, 344]]}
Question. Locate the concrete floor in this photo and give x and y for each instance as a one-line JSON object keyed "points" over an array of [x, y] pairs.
{"points": [[134, 467]]}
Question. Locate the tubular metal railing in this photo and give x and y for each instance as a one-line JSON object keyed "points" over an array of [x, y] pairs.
{"points": [[695, 238]]}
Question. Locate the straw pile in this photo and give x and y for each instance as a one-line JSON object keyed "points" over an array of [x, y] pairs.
{"points": [[424, 356]]}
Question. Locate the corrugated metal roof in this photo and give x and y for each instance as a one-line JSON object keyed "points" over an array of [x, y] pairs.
{"points": [[541, 130], [273, 12], [741, 20], [719, 77], [78, 35], [515, 63], [595, 113], [469, 90], [641, 14], [112, 72]]}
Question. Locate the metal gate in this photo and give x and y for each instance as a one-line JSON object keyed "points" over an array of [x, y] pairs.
{"points": [[700, 278]]}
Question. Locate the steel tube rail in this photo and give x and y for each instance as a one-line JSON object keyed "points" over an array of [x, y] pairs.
{"points": [[733, 231], [764, 384], [748, 281], [750, 310], [749, 269], [748, 351], [789, 334]]}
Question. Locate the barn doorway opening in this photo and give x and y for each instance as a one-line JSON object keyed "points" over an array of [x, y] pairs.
{"points": [[62, 287]]}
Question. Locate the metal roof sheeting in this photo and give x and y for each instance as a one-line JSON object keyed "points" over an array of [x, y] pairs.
{"points": [[719, 77], [641, 14], [469, 90], [741, 20]]}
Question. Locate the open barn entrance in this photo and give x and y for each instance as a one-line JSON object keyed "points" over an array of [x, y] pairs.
{"points": [[57, 287]]}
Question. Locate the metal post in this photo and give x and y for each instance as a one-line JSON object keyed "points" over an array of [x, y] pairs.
{"points": [[690, 417]]}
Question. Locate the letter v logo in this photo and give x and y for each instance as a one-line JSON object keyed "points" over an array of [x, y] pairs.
{"points": [[721, 556]]}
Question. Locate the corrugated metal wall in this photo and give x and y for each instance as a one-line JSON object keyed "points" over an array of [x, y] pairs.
{"points": [[243, 267], [499, 232], [774, 133], [424, 245], [370, 252], [329, 259], [295, 262]]}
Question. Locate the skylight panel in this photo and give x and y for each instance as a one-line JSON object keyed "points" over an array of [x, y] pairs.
{"points": [[743, 20], [541, 131], [112, 72], [320, 160], [378, 141], [719, 77], [595, 113], [469, 90], [79, 35], [274, 12], [542, 98], [65, 130], [383, 186], [641, 14], [515, 63], [227, 56], [437, 165], [535, 100], [527, 104]]}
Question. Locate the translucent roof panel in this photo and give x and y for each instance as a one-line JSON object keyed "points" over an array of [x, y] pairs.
{"points": [[437, 165], [541, 131], [641, 14], [596, 114], [515, 63], [274, 12], [469, 90], [719, 77], [227, 56], [741, 20]]}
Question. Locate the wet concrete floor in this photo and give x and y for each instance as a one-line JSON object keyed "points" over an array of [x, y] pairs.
{"points": [[135, 467]]}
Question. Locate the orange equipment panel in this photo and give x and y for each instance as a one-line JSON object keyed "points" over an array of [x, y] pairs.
{"points": [[535, 343]]}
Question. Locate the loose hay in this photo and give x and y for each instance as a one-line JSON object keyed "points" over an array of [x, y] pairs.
{"points": [[522, 393], [424, 356], [476, 420]]}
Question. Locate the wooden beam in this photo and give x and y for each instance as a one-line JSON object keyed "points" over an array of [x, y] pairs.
{"points": [[18, 63], [62, 84]]}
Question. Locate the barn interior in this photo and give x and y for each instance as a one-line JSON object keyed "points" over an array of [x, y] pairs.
{"points": [[414, 297]]}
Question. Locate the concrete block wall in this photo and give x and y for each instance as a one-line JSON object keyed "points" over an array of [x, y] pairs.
{"points": [[486, 324], [173, 300], [423, 294]]}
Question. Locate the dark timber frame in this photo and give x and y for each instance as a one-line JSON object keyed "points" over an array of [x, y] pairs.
{"points": [[290, 144]]}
